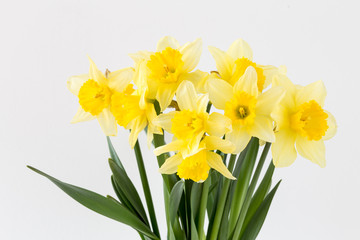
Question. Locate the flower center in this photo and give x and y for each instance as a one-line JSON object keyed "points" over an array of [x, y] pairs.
{"points": [[241, 108], [186, 124], [194, 167], [125, 107], [93, 98], [165, 66], [310, 121], [241, 65]]}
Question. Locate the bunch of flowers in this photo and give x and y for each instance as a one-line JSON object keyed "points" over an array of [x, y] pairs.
{"points": [[219, 122]]}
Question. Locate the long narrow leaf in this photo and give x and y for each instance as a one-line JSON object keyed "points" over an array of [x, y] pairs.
{"points": [[100, 204], [175, 197], [113, 154]]}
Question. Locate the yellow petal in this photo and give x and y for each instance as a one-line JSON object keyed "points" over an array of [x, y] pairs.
{"points": [[263, 128], [214, 160], [216, 143], [269, 72], [331, 131], [218, 124], [170, 147], [314, 91], [191, 53], [201, 103], [240, 49], [95, 74], [107, 122], [164, 95], [137, 125], [74, 83], [165, 42], [119, 79], [198, 78], [268, 100], [220, 92], [248, 82], [171, 164], [140, 56], [224, 63], [283, 149], [164, 121], [239, 137], [186, 96], [82, 116], [312, 150]]}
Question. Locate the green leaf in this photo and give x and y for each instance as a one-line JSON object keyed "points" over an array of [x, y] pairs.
{"points": [[175, 197], [121, 196], [101, 205], [113, 154], [127, 187], [259, 195], [254, 226], [195, 198]]}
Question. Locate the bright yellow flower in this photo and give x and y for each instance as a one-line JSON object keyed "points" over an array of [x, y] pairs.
{"points": [[248, 109], [190, 123], [95, 91], [301, 121], [133, 111], [233, 63], [196, 167], [168, 67]]}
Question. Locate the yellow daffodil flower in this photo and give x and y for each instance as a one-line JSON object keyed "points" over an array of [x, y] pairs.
{"points": [[95, 91], [196, 167], [233, 63], [169, 66], [190, 123], [301, 121], [248, 109], [132, 110]]}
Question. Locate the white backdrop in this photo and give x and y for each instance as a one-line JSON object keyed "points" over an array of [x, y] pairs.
{"points": [[44, 42]]}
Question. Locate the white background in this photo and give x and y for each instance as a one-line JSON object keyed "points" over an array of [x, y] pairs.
{"points": [[45, 42]]}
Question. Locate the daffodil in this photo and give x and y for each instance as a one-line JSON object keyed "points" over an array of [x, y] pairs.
{"points": [[169, 66], [133, 111], [196, 167], [301, 121], [95, 91], [232, 64], [190, 123], [248, 109]]}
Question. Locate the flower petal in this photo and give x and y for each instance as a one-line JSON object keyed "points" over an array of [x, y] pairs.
{"points": [[312, 150], [74, 83], [331, 131], [263, 128], [268, 100], [119, 79], [202, 103], [216, 143], [95, 74], [224, 63], [164, 95], [186, 96], [165, 42], [82, 116], [239, 137], [170, 147], [269, 72], [248, 82], [214, 160], [164, 121], [220, 92], [314, 91], [218, 124], [137, 125], [239, 49], [107, 122], [191, 53], [198, 78], [140, 56], [283, 149], [171, 164]]}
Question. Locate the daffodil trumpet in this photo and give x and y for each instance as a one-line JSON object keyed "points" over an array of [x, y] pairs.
{"points": [[215, 122]]}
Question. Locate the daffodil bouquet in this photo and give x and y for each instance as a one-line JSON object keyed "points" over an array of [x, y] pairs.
{"points": [[219, 122]]}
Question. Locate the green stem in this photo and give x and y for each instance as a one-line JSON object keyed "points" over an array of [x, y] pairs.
{"points": [[146, 188], [202, 210], [250, 192], [159, 141], [222, 201]]}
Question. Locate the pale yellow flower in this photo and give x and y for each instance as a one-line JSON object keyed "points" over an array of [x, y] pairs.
{"points": [[248, 109], [301, 121], [196, 167], [190, 123], [168, 67], [94, 91], [232, 64]]}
